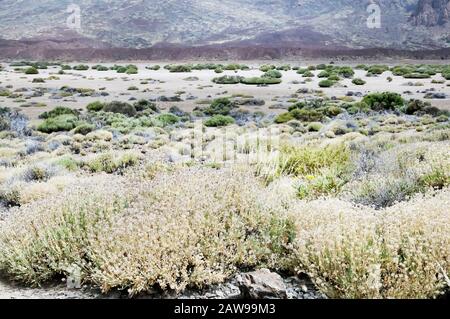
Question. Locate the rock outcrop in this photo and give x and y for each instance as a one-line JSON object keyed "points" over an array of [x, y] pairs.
{"points": [[430, 13]]}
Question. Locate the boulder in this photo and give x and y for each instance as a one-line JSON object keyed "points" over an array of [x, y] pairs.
{"points": [[262, 284]]}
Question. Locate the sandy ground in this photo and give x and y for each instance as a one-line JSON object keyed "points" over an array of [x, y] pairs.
{"points": [[12, 291], [162, 82]]}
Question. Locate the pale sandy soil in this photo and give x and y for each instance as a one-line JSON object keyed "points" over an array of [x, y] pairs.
{"points": [[169, 84]]}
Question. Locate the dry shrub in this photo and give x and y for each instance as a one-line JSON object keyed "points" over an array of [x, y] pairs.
{"points": [[174, 231], [355, 252]]}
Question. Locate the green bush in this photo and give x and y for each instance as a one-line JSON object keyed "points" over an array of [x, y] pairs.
{"points": [[273, 74], [265, 68], [260, 81], [219, 120], [81, 67], [384, 101], [323, 74], [180, 68], [334, 77], [284, 118], [168, 119], [220, 106], [121, 69], [60, 110], [153, 67], [358, 82], [132, 70], [415, 106], [326, 83], [345, 71], [120, 107], [102, 68], [314, 127], [111, 164], [308, 74], [416, 76], [84, 129], [31, 70], [144, 105], [307, 115], [377, 69], [95, 106], [59, 123]]}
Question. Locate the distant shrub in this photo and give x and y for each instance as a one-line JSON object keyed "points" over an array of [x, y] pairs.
{"points": [[358, 82], [345, 71], [377, 69], [334, 77], [39, 173], [416, 76], [415, 106], [168, 119], [266, 67], [307, 115], [308, 74], [59, 123], [132, 69], [285, 67], [121, 69], [314, 127], [272, 74], [31, 70], [180, 68], [384, 101], [228, 79], [60, 110], [220, 106], [102, 68], [95, 106], [110, 164], [219, 120], [260, 81], [284, 118], [120, 107], [84, 129], [81, 67], [144, 105], [326, 83], [323, 74], [153, 67]]}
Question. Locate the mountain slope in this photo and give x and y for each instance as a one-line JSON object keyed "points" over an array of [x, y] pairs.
{"points": [[405, 24]]}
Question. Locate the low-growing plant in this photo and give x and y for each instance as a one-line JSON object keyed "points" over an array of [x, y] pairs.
{"points": [[358, 82], [58, 123], [384, 101], [219, 120]]}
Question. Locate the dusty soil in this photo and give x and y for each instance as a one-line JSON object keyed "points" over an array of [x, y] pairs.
{"points": [[164, 83]]}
